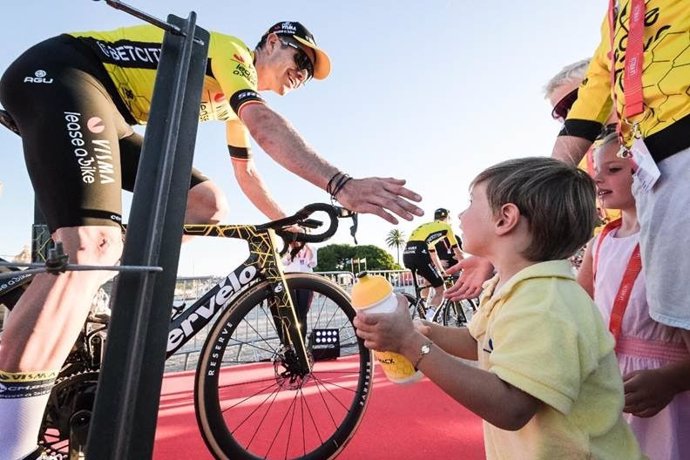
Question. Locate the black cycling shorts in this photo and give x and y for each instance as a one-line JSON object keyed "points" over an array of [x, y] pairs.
{"points": [[79, 150], [416, 257]]}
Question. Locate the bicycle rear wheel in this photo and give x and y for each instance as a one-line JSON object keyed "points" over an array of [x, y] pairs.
{"points": [[457, 313], [248, 402]]}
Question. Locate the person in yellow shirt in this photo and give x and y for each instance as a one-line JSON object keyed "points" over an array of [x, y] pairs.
{"points": [[640, 70], [547, 384], [561, 92]]}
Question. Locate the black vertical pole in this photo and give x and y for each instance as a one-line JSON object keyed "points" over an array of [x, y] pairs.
{"points": [[40, 236], [127, 400]]}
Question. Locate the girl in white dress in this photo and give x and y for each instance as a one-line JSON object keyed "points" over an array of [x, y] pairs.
{"points": [[654, 359]]}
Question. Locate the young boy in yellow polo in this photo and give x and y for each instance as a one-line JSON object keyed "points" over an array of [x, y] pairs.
{"points": [[547, 384]]}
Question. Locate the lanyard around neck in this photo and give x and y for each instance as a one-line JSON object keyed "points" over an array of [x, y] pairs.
{"points": [[634, 57], [632, 270]]}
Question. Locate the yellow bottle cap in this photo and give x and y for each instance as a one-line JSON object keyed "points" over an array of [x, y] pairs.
{"points": [[369, 290]]}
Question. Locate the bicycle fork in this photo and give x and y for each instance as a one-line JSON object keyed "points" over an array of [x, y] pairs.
{"points": [[282, 307]]}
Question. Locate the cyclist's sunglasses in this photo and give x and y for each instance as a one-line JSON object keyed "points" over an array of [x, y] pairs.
{"points": [[301, 58], [562, 107]]}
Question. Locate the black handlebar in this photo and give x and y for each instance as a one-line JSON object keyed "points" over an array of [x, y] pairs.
{"points": [[302, 218]]}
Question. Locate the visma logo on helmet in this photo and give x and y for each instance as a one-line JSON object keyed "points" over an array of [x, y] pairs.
{"points": [[226, 291]]}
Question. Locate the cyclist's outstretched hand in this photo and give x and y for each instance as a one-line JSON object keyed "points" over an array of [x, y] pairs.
{"points": [[380, 196], [475, 271]]}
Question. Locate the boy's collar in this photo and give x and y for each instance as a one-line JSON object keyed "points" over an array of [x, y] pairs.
{"points": [[549, 269]]}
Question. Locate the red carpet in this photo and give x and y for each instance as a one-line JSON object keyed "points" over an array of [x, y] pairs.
{"points": [[415, 421]]}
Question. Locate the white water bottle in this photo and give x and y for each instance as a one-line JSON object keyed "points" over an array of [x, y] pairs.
{"points": [[374, 294]]}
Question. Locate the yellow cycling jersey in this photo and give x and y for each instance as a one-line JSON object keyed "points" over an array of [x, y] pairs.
{"points": [[432, 232], [665, 78], [130, 56]]}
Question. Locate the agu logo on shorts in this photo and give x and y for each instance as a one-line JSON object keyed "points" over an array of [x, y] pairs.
{"points": [[95, 125], [40, 76]]}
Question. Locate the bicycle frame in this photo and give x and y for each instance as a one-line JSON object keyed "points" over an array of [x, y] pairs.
{"points": [[261, 265]]}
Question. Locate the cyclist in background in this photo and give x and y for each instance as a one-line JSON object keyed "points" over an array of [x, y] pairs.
{"points": [[420, 254], [74, 98], [446, 254]]}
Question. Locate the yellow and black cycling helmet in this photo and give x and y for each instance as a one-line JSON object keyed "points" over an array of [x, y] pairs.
{"points": [[441, 214]]}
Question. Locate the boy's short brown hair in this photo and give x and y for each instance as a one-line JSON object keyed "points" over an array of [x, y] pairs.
{"points": [[557, 199]]}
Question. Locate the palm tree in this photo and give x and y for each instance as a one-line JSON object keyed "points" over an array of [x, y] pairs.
{"points": [[396, 239]]}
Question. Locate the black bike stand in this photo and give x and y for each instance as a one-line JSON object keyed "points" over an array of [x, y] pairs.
{"points": [[127, 400]]}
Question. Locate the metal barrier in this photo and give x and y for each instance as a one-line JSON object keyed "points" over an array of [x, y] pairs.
{"points": [[400, 279], [344, 279]]}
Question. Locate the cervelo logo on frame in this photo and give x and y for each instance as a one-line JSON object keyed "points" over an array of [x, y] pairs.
{"points": [[39, 77], [227, 290]]}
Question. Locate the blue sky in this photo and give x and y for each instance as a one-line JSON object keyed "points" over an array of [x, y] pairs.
{"points": [[431, 91]]}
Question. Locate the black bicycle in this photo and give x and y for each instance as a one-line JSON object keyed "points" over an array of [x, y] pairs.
{"points": [[449, 313], [274, 379]]}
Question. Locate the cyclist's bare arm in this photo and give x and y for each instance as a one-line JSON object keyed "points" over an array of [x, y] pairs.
{"points": [[254, 188], [570, 149], [282, 142]]}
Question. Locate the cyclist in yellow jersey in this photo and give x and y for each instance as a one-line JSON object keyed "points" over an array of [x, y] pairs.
{"points": [[420, 253], [659, 133], [74, 98]]}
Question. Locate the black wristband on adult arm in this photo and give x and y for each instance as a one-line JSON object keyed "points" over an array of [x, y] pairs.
{"points": [[341, 184], [332, 181]]}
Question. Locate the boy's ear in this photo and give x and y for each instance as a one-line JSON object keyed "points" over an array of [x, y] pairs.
{"points": [[507, 218]]}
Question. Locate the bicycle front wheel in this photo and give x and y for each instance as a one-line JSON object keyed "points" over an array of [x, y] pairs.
{"points": [[249, 402]]}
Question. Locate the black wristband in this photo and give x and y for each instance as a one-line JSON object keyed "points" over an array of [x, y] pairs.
{"points": [[340, 186], [332, 181]]}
